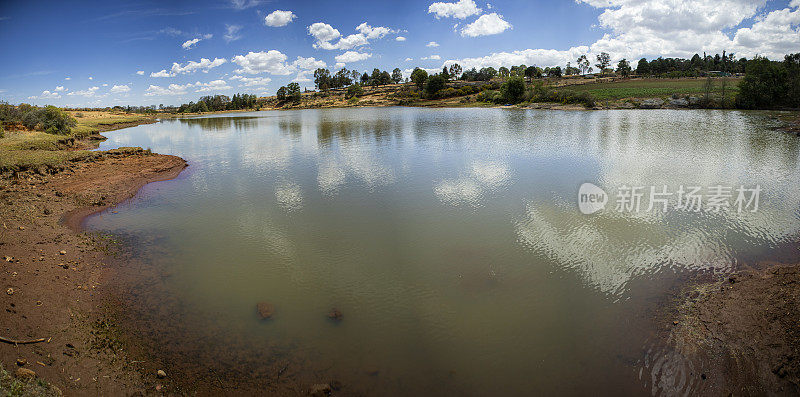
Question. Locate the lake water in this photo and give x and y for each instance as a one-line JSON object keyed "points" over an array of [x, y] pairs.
{"points": [[450, 239]]}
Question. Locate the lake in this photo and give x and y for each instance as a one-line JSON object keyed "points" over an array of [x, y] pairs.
{"points": [[451, 241]]}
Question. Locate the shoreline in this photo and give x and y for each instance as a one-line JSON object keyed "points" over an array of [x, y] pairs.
{"points": [[54, 273]]}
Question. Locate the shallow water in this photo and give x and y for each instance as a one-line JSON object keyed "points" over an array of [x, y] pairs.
{"points": [[450, 239]]}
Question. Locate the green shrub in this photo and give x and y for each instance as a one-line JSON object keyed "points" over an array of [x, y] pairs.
{"points": [[513, 90], [353, 91], [434, 84], [56, 121]]}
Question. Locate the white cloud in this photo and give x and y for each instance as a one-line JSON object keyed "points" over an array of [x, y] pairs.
{"points": [[487, 24], [432, 44], [272, 61], [432, 57], [279, 18], [462, 9], [409, 59], [232, 33], [252, 81], [401, 38], [172, 89], [308, 63], [67, 78], [338, 65], [352, 56], [182, 89], [140, 72], [325, 34], [215, 85], [203, 65], [190, 43], [675, 28], [244, 4], [538, 57], [91, 78], [48, 95], [60, 88], [117, 89], [89, 92]]}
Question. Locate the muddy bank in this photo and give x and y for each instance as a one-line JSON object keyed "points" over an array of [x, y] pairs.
{"points": [[740, 335], [53, 276]]}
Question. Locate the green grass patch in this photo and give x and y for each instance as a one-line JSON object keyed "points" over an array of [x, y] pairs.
{"points": [[10, 386], [653, 88], [34, 140], [20, 160]]}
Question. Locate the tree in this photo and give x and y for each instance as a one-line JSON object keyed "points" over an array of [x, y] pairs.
{"points": [[354, 90], [503, 71], [455, 71], [355, 76], [322, 79], [434, 84], [281, 94], [555, 71], [603, 62], [293, 92], [418, 76], [364, 79], [513, 90], [445, 74], [375, 78], [624, 68], [583, 64], [397, 75], [341, 79], [643, 68], [386, 78]]}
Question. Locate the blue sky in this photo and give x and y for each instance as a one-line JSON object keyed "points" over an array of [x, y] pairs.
{"points": [[89, 53]]}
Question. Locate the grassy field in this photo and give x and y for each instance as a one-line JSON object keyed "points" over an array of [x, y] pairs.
{"points": [[36, 150], [93, 122], [653, 88]]}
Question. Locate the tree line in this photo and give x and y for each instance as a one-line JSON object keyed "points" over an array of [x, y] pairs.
{"points": [[49, 119]]}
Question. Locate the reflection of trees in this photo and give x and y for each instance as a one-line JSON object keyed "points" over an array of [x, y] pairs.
{"points": [[379, 129], [217, 124]]}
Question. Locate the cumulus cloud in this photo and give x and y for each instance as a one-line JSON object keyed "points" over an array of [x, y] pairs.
{"points": [[190, 43], [400, 38], [539, 57], [279, 18], [252, 81], [486, 25], [140, 72], [182, 89], [325, 35], [432, 44], [47, 95], [460, 10], [203, 65], [675, 28], [352, 56], [118, 89], [232, 33], [273, 62], [89, 92], [432, 57], [60, 88]]}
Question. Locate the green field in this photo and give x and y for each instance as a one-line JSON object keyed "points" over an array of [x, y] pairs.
{"points": [[654, 88]]}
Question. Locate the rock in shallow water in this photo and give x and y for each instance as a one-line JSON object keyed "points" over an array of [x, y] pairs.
{"points": [[320, 390], [335, 314], [265, 310]]}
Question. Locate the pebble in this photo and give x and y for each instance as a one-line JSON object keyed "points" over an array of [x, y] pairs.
{"points": [[21, 362], [320, 390], [10, 291], [161, 374], [265, 310], [62, 252]]}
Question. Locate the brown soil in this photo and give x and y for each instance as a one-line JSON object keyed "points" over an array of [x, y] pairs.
{"points": [[741, 335], [52, 276]]}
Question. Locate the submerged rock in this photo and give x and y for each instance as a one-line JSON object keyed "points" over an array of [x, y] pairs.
{"points": [[265, 310], [335, 314], [680, 102], [320, 390]]}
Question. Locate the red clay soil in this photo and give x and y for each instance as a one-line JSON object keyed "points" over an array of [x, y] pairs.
{"points": [[52, 276]]}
